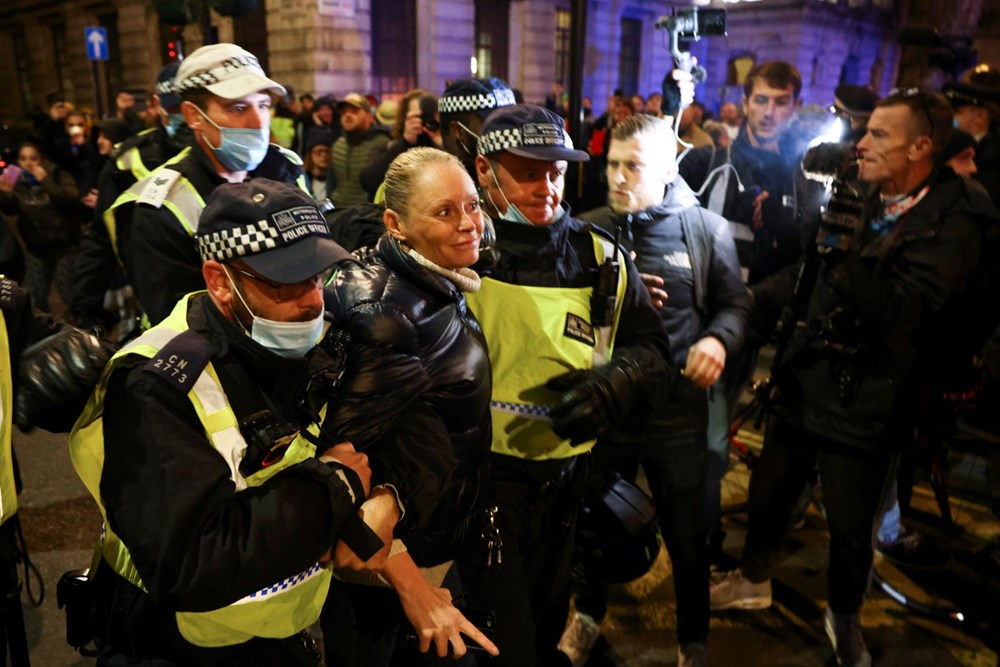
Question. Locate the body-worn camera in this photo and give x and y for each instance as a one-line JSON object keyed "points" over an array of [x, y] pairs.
{"points": [[267, 438]]}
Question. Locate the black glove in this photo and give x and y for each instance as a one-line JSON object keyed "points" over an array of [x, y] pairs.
{"points": [[671, 105], [57, 376], [844, 215], [595, 400]]}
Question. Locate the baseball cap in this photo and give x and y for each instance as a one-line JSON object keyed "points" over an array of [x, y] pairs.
{"points": [[165, 86], [482, 96], [387, 112], [530, 131], [226, 70], [355, 100], [855, 100], [274, 227]]}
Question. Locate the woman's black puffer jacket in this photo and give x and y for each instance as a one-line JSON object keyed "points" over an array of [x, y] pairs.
{"points": [[415, 395]]}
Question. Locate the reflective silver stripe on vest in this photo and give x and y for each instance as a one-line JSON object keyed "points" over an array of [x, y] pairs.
{"points": [[229, 442], [186, 200]]}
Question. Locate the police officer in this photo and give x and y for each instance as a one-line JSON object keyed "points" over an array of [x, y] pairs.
{"points": [[199, 443], [58, 367], [132, 160], [576, 349], [226, 102]]}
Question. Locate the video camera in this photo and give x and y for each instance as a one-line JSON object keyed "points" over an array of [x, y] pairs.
{"points": [[690, 25]]}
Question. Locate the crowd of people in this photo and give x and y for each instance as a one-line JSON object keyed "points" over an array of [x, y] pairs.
{"points": [[382, 365]]}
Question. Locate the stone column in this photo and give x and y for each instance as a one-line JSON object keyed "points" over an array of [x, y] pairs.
{"points": [[532, 58]]}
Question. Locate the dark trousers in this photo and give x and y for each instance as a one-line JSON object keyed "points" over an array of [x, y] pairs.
{"points": [[677, 481], [854, 483], [538, 503]]}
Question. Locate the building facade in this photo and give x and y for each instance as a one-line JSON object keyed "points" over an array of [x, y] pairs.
{"points": [[385, 47]]}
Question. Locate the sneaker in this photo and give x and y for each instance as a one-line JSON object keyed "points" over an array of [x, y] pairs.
{"points": [[844, 631], [692, 655], [912, 550], [731, 590], [579, 637]]}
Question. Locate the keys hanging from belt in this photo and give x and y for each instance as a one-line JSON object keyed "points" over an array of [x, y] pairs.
{"points": [[491, 536]]}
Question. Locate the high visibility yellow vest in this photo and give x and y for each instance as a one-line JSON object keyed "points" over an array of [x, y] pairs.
{"points": [[167, 187], [534, 334], [8, 491], [278, 611], [131, 160]]}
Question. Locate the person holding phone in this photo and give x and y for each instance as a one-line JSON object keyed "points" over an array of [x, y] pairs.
{"points": [[417, 124]]}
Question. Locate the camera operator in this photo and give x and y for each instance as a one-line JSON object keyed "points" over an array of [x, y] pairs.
{"points": [[199, 443], [895, 252]]}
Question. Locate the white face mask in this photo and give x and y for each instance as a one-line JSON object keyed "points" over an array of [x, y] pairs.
{"points": [[287, 339]]}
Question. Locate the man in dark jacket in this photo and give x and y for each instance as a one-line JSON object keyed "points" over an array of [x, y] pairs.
{"points": [[691, 253], [575, 347], [227, 104], [977, 111], [351, 152], [892, 267], [131, 161]]}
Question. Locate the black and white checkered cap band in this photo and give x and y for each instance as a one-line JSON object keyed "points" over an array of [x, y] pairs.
{"points": [[515, 137], [229, 244], [165, 87], [502, 97]]}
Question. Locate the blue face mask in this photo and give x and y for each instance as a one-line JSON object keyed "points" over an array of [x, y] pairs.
{"points": [[240, 149], [513, 214], [175, 121], [286, 339]]}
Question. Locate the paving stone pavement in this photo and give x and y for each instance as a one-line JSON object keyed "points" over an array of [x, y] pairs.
{"points": [[60, 523]]}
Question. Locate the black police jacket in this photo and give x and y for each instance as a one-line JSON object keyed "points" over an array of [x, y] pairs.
{"points": [[95, 263], [416, 392], [160, 256], [562, 255]]}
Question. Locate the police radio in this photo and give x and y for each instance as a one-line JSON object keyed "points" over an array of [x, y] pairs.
{"points": [[605, 297]]}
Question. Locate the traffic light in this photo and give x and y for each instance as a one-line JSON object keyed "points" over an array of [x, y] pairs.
{"points": [[173, 43]]}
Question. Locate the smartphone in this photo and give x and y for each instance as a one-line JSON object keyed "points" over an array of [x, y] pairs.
{"points": [[140, 97], [10, 173]]}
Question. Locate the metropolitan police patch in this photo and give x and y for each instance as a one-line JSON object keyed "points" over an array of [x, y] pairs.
{"points": [[579, 329]]}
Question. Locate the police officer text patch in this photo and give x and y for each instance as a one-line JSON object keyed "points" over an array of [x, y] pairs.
{"points": [[579, 329], [294, 223]]}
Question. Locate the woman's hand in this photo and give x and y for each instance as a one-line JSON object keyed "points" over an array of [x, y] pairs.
{"points": [[431, 613], [37, 170]]}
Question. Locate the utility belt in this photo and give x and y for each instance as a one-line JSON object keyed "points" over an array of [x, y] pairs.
{"points": [[522, 480]]}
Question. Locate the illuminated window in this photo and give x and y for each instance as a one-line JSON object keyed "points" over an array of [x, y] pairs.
{"points": [[628, 56], [492, 37], [562, 45]]}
